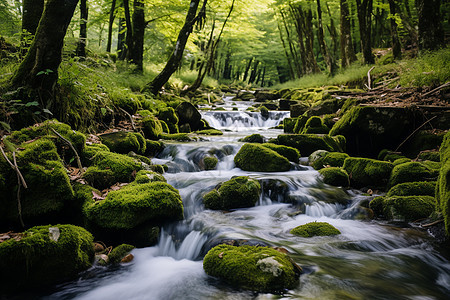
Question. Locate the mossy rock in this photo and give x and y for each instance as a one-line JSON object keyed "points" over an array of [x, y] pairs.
{"points": [[335, 176], [151, 127], [164, 126], [145, 176], [308, 143], [315, 229], [300, 124], [119, 252], [332, 159], [421, 188], [237, 192], [254, 157], [125, 100], [169, 116], [188, 114], [443, 183], [315, 125], [37, 260], [288, 125], [401, 161], [122, 166], [404, 208], [366, 172], [90, 151], [124, 142], [179, 137], [423, 140], [290, 153], [429, 155], [254, 138], [209, 132], [410, 172], [254, 268], [136, 204], [388, 155], [210, 162], [99, 178], [153, 148]]}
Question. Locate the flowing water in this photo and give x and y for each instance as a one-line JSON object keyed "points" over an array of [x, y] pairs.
{"points": [[369, 260]]}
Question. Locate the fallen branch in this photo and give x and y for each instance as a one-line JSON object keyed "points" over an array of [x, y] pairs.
{"points": [[433, 223], [369, 81], [129, 116], [80, 166], [417, 129], [437, 89], [14, 168]]}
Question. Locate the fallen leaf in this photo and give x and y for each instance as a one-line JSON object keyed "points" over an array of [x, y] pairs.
{"points": [[96, 196]]}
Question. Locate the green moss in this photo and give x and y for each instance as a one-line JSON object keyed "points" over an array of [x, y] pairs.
{"points": [[434, 165], [254, 157], [90, 151], [37, 261], [300, 124], [119, 252], [405, 208], [308, 143], [136, 204], [443, 183], [254, 138], [164, 126], [315, 229], [169, 116], [290, 153], [145, 176], [430, 155], [209, 132], [124, 142], [237, 192], [159, 168], [315, 125], [410, 172], [39, 151], [401, 161], [153, 147], [255, 268], [210, 162], [423, 140], [335, 176], [333, 159], [288, 125], [424, 188], [366, 172], [121, 165], [99, 178], [151, 127], [125, 100], [179, 137]]}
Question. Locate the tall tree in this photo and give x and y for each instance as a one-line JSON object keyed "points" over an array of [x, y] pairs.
{"points": [[347, 52], [364, 9], [81, 45], [32, 12], [329, 59], [136, 41], [174, 60], [112, 16], [396, 46], [39, 69], [431, 33]]}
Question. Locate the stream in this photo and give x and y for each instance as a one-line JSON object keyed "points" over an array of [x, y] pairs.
{"points": [[369, 260]]}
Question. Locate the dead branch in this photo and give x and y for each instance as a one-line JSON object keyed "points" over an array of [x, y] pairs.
{"points": [[417, 129], [16, 169], [433, 223], [80, 166], [129, 116], [19, 204], [369, 80], [437, 89]]}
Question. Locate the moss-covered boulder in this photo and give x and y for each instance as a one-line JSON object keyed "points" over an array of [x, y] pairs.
{"points": [[210, 162], [315, 125], [99, 178], [370, 129], [188, 114], [300, 124], [430, 155], [209, 132], [254, 157], [237, 192], [253, 138], [443, 183], [254, 268], [403, 208], [136, 204], [169, 116], [288, 125], [410, 172], [123, 167], [145, 176], [45, 255], [366, 172], [421, 188], [308, 143], [153, 148], [151, 127], [119, 252], [290, 153], [332, 159], [124, 142], [335, 176], [315, 229], [89, 152]]}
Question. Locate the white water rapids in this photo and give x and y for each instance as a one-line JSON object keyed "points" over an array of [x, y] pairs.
{"points": [[369, 260]]}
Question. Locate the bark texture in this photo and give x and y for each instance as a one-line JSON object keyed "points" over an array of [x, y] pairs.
{"points": [[431, 33]]}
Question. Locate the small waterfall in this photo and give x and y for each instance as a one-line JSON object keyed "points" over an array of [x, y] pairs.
{"points": [[243, 120], [189, 248]]}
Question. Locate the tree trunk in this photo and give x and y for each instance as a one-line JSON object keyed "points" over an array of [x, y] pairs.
{"points": [[32, 12], [247, 69], [121, 39], [333, 32], [297, 15], [364, 9], [39, 69], [296, 61], [112, 16], [175, 59], [136, 46], [129, 30], [286, 53], [396, 47], [347, 53], [252, 77], [309, 41], [329, 60], [431, 33], [81, 45]]}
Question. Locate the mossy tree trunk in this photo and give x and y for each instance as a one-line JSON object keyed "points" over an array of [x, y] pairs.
{"points": [[121, 38], [396, 46], [112, 16], [39, 69], [347, 52], [175, 59], [32, 12], [431, 33], [364, 9], [84, 13]]}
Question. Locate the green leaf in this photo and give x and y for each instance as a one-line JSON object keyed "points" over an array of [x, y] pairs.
{"points": [[32, 103], [103, 110], [5, 126], [47, 111]]}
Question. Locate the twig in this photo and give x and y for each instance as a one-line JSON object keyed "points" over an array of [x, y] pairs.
{"points": [[14, 168], [417, 129], [130, 116], [437, 89], [433, 223], [19, 204], [80, 166], [369, 81]]}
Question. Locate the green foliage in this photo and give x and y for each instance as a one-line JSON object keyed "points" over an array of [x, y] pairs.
{"points": [[366, 172], [315, 229], [254, 157], [38, 261], [255, 268], [335, 176], [237, 192]]}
